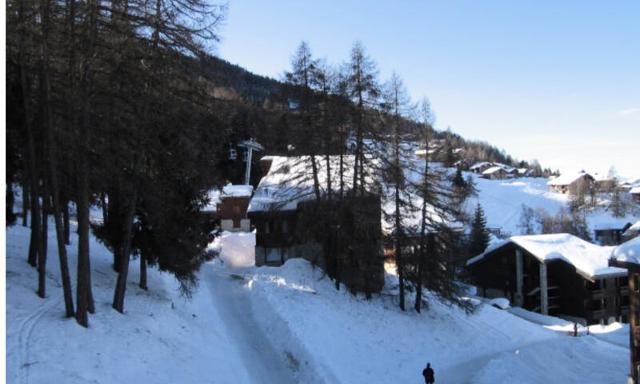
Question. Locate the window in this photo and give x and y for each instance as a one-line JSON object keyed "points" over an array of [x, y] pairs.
{"points": [[623, 281], [267, 227], [285, 227], [636, 283]]}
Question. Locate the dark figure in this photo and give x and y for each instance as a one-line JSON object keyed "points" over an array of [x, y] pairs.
{"points": [[428, 374]]}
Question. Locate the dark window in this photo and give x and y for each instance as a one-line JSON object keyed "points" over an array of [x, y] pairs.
{"points": [[623, 281], [604, 283], [624, 301]]}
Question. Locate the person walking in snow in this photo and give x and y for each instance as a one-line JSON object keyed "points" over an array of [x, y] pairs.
{"points": [[429, 375]]}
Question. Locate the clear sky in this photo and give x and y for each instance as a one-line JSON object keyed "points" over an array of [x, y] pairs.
{"points": [[558, 81]]}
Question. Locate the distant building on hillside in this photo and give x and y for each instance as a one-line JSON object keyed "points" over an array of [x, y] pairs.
{"points": [[627, 256], [635, 193], [571, 183], [610, 233], [555, 274], [480, 167], [496, 172], [231, 208], [631, 232]]}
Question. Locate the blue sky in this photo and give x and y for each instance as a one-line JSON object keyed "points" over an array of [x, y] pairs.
{"points": [[558, 81]]}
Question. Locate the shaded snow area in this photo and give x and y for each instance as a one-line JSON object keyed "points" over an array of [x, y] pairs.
{"points": [[331, 336], [161, 338]]}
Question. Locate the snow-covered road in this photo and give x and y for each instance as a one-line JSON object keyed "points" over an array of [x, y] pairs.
{"points": [[263, 361]]}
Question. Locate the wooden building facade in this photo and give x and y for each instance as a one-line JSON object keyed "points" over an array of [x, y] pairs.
{"points": [[543, 281], [627, 256]]}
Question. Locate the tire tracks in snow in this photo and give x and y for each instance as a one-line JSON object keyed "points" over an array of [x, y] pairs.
{"points": [[26, 328]]}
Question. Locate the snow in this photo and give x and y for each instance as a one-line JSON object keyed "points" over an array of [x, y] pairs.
{"points": [[280, 325], [231, 190], [290, 181], [214, 199], [237, 249], [567, 178], [611, 224], [161, 337], [502, 202], [628, 252], [500, 302], [336, 337], [590, 259], [635, 190], [480, 165], [492, 170]]}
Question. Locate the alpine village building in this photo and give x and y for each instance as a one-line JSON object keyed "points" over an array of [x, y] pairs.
{"points": [[571, 183], [554, 274], [627, 255], [284, 207]]}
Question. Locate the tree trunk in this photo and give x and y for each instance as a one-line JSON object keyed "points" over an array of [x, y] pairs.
{"points": [[34, 244], [25, 200], [83, 284], [83, 290], [65, 222], [42, 256], [53, 168], [143, 272], [121, 284]]}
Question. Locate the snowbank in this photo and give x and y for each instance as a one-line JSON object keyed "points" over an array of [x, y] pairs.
{"points": [[161, 338], [237, 249], [340, 338]]}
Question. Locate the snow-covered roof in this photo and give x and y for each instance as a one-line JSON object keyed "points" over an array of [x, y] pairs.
{"points": [[611, 224], [492, 170], [567, 178], [634, 227], [590, 260], [214, 198], [290, 181], [480, 165], [628, 252], [635, 190], [231, 190]]}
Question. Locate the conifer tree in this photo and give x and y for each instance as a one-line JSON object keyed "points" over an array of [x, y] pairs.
{"points": [[479, 239]]}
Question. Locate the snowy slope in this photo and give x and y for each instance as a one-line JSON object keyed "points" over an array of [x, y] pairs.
{"points": [[502, 202], [338, 338], [161, 338]]}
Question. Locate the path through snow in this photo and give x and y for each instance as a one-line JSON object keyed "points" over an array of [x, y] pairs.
{"points": [[264, 363]]}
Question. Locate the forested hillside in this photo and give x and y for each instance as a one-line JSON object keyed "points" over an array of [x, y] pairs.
{"points": [[120, 106]]}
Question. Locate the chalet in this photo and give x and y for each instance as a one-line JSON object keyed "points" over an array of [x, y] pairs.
{"points": [[632, 232], [523, 172], [610, 233], [290, 221], [480, 167], [635, 193], [571, 183], [495, 172], [554, 274], [603, 182], [232, 208], [627, 256]]}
